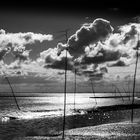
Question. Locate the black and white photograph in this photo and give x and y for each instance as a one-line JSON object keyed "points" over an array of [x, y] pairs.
{"points": [[69, 71]]}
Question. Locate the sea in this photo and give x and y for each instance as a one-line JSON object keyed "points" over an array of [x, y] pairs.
{"points": [[43, 115], [52, 104]]}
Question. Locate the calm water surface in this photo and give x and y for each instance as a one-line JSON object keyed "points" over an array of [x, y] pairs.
{"points": [[52, 104]]}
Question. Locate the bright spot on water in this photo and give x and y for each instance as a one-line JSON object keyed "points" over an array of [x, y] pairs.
{"points": [[5, 119]]}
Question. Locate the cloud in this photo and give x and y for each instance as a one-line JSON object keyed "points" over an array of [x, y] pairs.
{"points": [[14, 65], [22, 38], [2, 31], [93, 71], [3, 52], [32, 72], [136, 19], [51, 59], [21, 54], [92, 47], [60, 64], [92, 51], [119, 63], [85, 47], [118, 50], [88, 34], [17, 42], [99, 54], [119, 47], [26, 68], [130, 34], [130, 29]]}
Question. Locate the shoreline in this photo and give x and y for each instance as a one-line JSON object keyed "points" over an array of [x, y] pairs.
{"points": [[125, 106], [52, 126]]}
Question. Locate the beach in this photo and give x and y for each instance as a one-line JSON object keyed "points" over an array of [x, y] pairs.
{"points": [[87, 126], [41, 118], [69, 72]]}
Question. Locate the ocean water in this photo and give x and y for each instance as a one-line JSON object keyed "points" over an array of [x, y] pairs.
{"points": [[52, 104], [43, 115]]}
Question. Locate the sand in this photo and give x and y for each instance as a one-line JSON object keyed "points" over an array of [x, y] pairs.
{"points": [[92, 125], [113, 131]]}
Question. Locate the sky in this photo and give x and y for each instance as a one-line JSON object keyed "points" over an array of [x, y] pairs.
{"points": [[101, 48]]}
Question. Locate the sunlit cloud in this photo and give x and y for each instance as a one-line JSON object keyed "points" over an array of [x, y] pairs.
{"points": [[16, 43], [51, 59], [88, 34], [93, 51], [94, 48]]}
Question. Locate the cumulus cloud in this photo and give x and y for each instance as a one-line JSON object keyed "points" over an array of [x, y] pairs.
{"points": [[2, 31], [93, 48], [118, 50], [22, 38], [3, 52], [51, 59], [14, 65], [18, 41], [85, 47], [88, 34], [99, 54], [20, 54], [119, 47]]}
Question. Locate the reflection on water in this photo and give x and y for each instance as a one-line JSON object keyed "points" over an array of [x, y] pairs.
{"points": [[52, 104]]}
